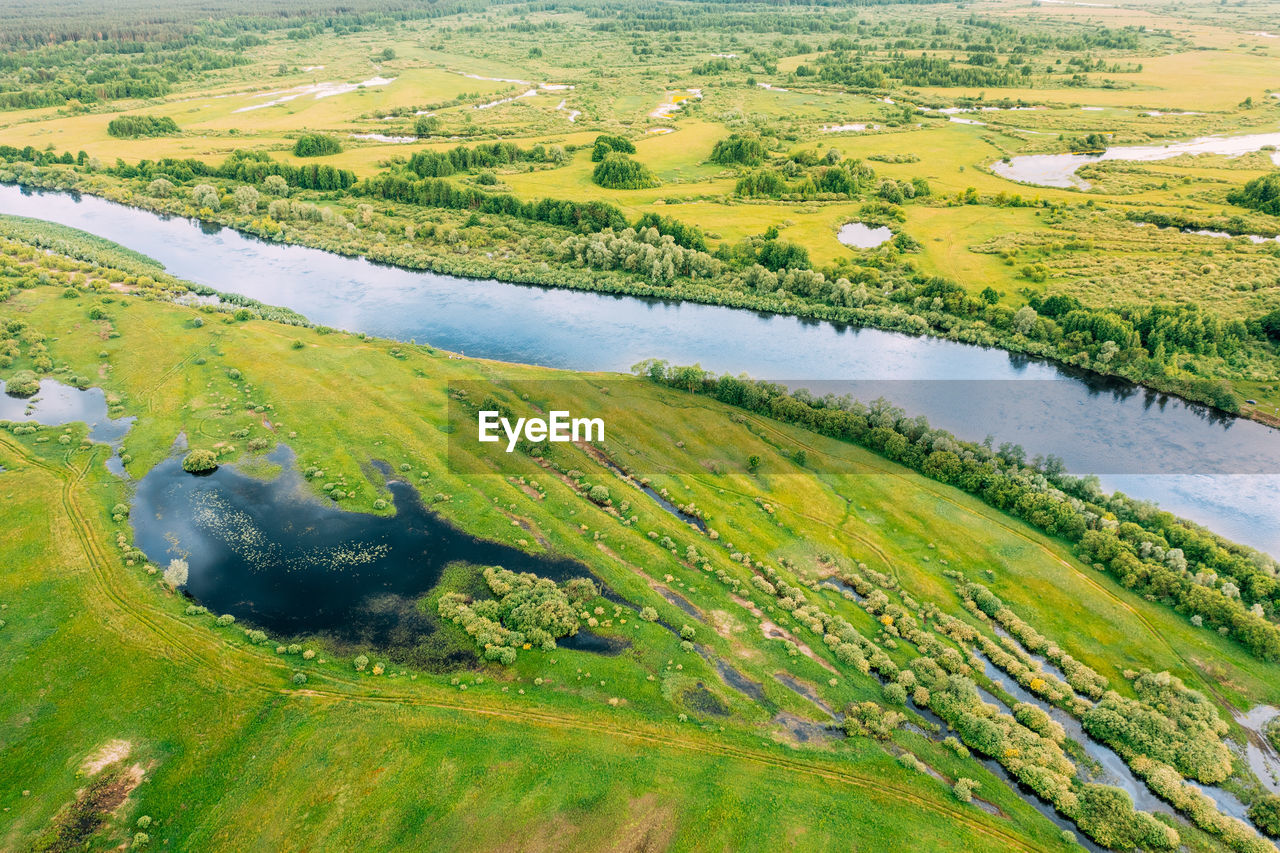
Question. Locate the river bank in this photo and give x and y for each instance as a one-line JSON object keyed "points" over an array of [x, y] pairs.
{"points": [[1218, 471], [885, 315]]}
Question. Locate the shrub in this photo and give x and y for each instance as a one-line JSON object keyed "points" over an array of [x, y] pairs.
{"points": [[599, 494], [23, 384], [226, 619], [740, 148], [620, 172], [316, 145], [1266, 814], [426, 125], [176, 574], [200, 461], [964, 789], [687, 632], [160, 188], [275, 185], [361, 662], [895, 694], [299, 678], [648, 614], [134, 126]]}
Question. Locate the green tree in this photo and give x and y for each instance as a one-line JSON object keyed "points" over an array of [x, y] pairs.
{"points": [[316, 145], [200, 461], [619, 172]]}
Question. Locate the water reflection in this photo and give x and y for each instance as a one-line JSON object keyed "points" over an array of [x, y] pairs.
{"points": [[1089, 421], [273, 555]]}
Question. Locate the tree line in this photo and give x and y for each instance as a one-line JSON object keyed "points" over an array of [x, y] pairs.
{"points": [[1226, 586]]}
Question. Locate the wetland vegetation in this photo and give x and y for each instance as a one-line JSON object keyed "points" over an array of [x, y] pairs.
{"points": [[260, 589]]}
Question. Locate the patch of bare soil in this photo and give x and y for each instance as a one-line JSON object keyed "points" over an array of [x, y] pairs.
{"points": [[649, 827], [108, 753], [111, 784], [776, 632]]}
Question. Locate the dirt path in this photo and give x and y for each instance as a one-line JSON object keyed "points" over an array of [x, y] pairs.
{"points": [[198, 649]]}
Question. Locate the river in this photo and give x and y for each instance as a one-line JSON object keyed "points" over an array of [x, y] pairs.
{"points": [[1059, 170], [1222, 472]]}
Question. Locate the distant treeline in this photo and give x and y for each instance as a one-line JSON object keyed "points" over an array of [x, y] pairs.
{"points": [[240, 165], [442, 164], [582, 216]]}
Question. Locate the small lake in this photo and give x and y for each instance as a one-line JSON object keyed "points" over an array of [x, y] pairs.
{"points": [[1220, 471], [278, 558], [856, 235], [56, 404], [1059, 170]]}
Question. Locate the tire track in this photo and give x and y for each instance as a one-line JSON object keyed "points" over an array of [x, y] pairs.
{"points": [[152, 620]]}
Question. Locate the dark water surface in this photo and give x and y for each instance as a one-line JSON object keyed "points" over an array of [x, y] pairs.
{"points": [[273, 555], [1222, 472]]}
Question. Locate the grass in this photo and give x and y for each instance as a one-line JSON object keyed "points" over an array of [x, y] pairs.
{"points": [[191, 697], [236, 755]]}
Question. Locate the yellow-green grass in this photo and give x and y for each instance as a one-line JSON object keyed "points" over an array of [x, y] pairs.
{"points": [[235, 757], [225, 734], [367, 396]]}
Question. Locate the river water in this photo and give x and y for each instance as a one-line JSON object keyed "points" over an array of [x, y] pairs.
{"points": [[1059, 170], [1220, 471]]}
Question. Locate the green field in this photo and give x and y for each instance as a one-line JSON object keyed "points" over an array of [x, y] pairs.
{"points": [[1126, 75], [135, 719]]}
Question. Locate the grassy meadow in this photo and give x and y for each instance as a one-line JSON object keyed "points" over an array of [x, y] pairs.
{"points": [[135, 719]]}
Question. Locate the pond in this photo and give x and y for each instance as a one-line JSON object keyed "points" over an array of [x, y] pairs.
{"points": [[270, 553], [859, 236], [1220, 471], [56, 404], [1059, 170]]}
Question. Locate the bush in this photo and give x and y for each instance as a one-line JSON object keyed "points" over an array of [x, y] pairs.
{"points": [[599, 494], [23, 384], [361, 662], [607, 143], [316, 145], [1265, 813], [160, 188], [299, 678], [740, 148], [426, 125], [964, 789], [200, 461], [134, 126], [226, 619], [620, 172], [176, 574], [648, 614], [895, 694], [275, 185]]}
